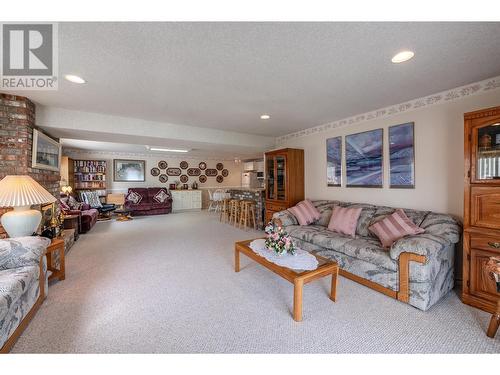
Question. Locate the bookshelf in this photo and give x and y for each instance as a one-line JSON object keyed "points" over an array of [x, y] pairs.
{"points": [[90, 175]]}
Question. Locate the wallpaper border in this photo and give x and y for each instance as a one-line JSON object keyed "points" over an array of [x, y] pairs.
{"points": [[451, 95]]}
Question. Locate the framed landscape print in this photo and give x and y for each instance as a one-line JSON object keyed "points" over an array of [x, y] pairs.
{"points": [[364, 153], [129, 170], [402, 156], [46, 153], [334, 161]]}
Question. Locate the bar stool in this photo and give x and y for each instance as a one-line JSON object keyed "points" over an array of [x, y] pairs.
{"points": [[247, 214], [224, 212], [234, 211]]}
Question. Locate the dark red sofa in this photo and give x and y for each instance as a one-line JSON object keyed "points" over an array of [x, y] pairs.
{"points": [[148, 201], [88, 215]]}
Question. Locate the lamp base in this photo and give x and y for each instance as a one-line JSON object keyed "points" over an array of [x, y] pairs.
{"points": [[20, 222]]}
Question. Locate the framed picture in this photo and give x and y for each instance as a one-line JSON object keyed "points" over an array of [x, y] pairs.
{"points": [[46, 152], [129, 170], [364, 153], [334, 161], [402, 156]]}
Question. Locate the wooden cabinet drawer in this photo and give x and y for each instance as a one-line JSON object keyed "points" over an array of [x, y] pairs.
{"points": [[485, 243], [275, 207], [485, 206]]}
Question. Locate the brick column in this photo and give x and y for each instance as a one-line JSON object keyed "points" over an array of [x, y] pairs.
{"points": [[17, 121]]}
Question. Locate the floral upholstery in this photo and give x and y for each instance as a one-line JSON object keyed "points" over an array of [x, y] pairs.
{"points": [[19, 280], [21, 251], [365, 257]]}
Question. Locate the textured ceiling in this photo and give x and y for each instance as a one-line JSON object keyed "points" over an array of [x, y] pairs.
{"points": [[224, 75]]}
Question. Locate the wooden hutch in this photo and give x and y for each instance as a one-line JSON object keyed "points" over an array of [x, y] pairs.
{"points": [[481, 206], [284, 180]]}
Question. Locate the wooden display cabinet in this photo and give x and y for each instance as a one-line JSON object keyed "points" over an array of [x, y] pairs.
{"points": [[481, 206], [284, 180]]}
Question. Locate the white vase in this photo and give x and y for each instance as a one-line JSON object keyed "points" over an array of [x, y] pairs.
{"points": [[22, 221]]}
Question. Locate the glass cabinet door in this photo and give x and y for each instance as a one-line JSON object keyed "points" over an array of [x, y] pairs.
{"points": [[270, 184], [281, 177], [486, 146]]}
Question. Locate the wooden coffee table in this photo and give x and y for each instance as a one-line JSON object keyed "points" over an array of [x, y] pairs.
{"points": [[298, 278]]}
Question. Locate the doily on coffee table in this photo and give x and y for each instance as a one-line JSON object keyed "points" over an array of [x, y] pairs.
{"points": [[302, 260]]}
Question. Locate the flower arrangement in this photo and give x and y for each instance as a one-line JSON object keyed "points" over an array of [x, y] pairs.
{"points": [[278, 240]]}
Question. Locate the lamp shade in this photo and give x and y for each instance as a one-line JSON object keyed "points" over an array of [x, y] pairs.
{"points": [[16, 191]]}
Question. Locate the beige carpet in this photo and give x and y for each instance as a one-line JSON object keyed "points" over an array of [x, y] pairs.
{"points": [[166, 284]]}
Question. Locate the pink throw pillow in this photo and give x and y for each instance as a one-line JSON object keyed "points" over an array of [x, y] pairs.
{"points": [[394, 227], [305, 212], [344, 220]]}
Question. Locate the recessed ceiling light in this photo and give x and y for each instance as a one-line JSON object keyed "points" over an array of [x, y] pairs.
{"points": [[74, 79], [402, 57], [265, 117], [166, 149]]}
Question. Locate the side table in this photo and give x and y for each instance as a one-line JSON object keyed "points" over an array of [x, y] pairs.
{"points": [[73, 222], [57, 245]]}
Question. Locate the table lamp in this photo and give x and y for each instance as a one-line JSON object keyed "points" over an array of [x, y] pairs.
{"points": [[20, 192]]}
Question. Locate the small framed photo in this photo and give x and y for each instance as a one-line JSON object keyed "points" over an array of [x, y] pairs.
{"points": [[129, 170], [46, 152]]}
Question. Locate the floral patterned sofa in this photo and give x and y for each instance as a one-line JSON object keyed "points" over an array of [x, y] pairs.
{"points": [[417, 269], [23, 284]]}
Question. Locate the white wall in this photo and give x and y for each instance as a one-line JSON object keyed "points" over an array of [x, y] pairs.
{"points": [[439, 159], [234, 178]]}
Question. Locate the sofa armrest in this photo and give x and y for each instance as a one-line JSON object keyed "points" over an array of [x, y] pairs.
{"points": [[22, 251], [424, 244], [286, 218]]}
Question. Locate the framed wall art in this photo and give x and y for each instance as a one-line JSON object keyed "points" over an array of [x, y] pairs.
{"points": [[46, 152], [334, 161], [129, 170], [402, 156], [364, 153]]}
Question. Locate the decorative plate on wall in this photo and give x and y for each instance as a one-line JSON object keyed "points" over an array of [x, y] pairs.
{"points": [[202, 165], [184, 164], [202, 178], [219, 166], [155, 171], [211, 172], [163, 178], [162, 164], [174, 171], [219, 179], [194, 172], [184, 178], [225, 172]]}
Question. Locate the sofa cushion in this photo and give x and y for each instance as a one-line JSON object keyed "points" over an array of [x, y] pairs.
{"points": [[14, 283], [92, 199], [305, 212], [365, 248], [73, 203], [143, 207], [161, 196], [136, 196], [344, 220], [22, 251], [393, 227], [416, 216], [325, 209]]}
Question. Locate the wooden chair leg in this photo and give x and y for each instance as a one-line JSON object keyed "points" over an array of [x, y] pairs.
{"points": [[493, 327]]}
